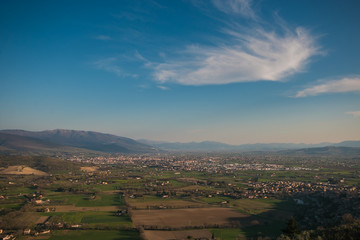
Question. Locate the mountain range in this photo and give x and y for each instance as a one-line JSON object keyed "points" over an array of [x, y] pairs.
{"points": [[209, 146], [60, 140], [74, 141]]}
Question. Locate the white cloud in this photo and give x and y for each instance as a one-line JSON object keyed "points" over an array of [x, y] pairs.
{"points": [[354, 113], [242, 7], [348, 84], [254, 56]]}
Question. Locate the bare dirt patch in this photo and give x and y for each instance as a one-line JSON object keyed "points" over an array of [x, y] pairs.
{"points": [[89, 169], [181, 235], [72, 208], [186, 218], [22, 170]]}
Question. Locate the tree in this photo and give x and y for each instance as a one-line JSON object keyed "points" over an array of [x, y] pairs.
{"points": [[291, 228]]}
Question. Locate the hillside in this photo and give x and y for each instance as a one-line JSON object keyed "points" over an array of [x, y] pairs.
{"points": [[45, 164], [79, 139], [11, 144], [22, 170]]}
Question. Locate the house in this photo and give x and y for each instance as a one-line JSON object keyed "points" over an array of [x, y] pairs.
{"points": [[8, 237], [38, 201], [45, 232]]}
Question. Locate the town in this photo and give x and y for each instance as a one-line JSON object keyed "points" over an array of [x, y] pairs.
{"points": [[122, 190]]}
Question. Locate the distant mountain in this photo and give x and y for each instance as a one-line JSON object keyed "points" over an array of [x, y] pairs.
{"points": [[324, 151], [84, 139], [10, 143], [208, 146], [190, 146], [347, 144], [72, 141]]}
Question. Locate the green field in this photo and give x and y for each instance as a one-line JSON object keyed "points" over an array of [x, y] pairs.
{"points": [[108, 219], [214, 200], [156, 200], [15, 206], [91, 218], [95, 235], [226, 234], [83, 200], [19, 190], [258, 206], [105, 187], [271, 229]]}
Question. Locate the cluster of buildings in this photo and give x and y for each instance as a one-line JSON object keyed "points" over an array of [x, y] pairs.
{"points": [[191, 162], [263, 167], [289, 188]]}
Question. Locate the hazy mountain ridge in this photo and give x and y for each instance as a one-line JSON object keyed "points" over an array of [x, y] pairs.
{"points": [[72, 141], [217, 146], [324, 151], [88, 140]]}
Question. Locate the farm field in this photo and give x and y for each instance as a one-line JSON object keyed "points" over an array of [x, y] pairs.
{"points": [[93, 218], [21, 219], [95, 235], [258, 206], [72, 208], [83, 200], [165, 235], [151, 204], [146, 202], [193, 217], [228, 234]]}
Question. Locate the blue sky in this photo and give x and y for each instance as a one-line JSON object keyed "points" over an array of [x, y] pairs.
{"points": [[234, 71]]}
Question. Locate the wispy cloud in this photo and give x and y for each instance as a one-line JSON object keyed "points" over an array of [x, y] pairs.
{"points": [[354, 113], [246, 55], [103, 37], [241, 7], [138, 56], [111, 65], [253, 56], [347, 84], [163, 87]]}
